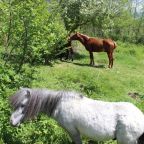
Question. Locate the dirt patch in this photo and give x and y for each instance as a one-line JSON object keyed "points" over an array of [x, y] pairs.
{"points": [[134, 95]]}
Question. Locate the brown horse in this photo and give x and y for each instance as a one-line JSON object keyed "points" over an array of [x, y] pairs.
{"points": [[96, 45]]}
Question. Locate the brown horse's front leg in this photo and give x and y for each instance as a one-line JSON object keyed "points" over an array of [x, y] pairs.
{"points": [[91, 58]]}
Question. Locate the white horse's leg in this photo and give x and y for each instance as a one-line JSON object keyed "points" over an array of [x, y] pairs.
{"points": [[73, 133], [120, 141], [123, 135], [76, 138], [125, 139]]}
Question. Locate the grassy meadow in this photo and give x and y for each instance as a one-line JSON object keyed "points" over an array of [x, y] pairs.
{"points": [[99, 82], [124, 82]]}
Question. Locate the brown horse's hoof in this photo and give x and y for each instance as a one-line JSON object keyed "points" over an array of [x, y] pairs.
{"points": [[109, 66], [91, 142]]}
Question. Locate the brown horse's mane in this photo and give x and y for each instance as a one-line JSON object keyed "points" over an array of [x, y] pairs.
{"points": [[84, 36]]}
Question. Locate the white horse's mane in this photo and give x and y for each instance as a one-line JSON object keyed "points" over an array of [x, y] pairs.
{"points": [[41, 100]]}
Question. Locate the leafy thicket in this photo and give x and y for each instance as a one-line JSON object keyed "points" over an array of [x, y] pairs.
{"points": [[31, 32]]}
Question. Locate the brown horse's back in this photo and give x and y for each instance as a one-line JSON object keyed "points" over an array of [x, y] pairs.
{"points": [[100, 45], [95, 45], [109, 45]]}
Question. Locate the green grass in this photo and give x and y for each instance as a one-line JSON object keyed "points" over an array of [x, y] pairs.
{"points": [[102, 83], [127, 76], [114, 84]]}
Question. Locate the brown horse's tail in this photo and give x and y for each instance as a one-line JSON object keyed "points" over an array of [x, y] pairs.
{"points": [[115, 44]]}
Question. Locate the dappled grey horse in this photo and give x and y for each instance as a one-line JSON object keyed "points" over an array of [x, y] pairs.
{"points": [[78, 114]]}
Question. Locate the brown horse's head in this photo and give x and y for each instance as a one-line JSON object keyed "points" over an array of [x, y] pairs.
{"points": [[75, 36]]}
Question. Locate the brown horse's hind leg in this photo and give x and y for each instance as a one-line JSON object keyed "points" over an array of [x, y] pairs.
{"points": [[91, 58], [112, 59], [110, 56]]}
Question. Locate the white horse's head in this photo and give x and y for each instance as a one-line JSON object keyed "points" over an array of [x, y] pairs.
{"points": [[28, 103], [19, 103]]}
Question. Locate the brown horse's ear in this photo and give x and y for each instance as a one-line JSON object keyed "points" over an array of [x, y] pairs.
{"points": [[70, 34], [77, 33], [68, 38]]}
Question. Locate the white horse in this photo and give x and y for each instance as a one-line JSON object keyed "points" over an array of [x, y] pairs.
{"points": [[78, 114]]}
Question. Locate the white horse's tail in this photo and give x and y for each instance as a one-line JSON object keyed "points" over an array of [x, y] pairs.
{"points": [[141, 139]]}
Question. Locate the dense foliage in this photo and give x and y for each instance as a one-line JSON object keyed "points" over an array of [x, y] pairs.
{"points": [[30, 31]]}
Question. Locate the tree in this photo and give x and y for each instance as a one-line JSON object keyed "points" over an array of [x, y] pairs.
{"points": [[77, 13]]}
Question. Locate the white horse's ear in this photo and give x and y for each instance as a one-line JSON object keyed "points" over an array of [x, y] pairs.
{"points": [[28, 93]]}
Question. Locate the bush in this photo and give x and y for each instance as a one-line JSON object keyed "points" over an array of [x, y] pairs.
{"points": [[31, 31], [10, 80]]}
